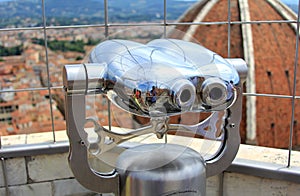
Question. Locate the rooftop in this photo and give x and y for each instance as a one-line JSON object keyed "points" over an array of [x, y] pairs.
{"points": [[33, 141], [267, 49]]}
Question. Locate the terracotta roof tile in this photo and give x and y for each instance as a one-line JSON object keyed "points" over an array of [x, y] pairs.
{"points": [[274, 46]]}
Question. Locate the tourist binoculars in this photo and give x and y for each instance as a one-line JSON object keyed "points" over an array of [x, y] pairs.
{"points": [[157, 80]]}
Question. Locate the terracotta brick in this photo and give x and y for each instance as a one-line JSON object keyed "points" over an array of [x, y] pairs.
{"points": [[274, 46]]}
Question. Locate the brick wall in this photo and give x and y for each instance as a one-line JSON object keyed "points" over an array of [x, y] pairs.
{"points": [[274, 51]]}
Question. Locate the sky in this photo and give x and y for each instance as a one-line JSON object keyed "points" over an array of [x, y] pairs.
{"points": [[285, 1], [290, 1]]}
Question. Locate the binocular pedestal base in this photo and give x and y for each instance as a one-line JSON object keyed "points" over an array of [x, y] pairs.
{"points": [[161, 170]]}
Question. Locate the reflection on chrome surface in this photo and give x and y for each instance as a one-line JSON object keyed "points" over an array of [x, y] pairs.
{"points": [[164, 77]]}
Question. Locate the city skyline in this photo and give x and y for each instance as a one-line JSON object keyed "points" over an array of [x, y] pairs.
{"points": [[29, 71]]}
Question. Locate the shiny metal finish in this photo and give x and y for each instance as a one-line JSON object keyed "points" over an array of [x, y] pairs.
{"points": [[161, 170], [164, 77]]}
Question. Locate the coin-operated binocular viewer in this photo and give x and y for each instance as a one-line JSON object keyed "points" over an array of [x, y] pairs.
{"points": [[163, 78]]}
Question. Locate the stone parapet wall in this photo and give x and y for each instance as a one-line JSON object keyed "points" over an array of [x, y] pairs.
{"points": [[46, 171], [40, 175], [50, 175]]}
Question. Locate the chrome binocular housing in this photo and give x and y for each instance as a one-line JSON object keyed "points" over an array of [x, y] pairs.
{"points": [[162, 78]]}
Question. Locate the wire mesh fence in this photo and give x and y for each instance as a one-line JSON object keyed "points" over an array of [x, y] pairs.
{"points": [[45, 91]]}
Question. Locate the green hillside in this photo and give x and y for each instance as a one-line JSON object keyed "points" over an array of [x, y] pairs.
{"points": [[20, 13]]}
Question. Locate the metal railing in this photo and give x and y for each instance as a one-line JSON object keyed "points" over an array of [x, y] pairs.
{"points": [[165, 23]]}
